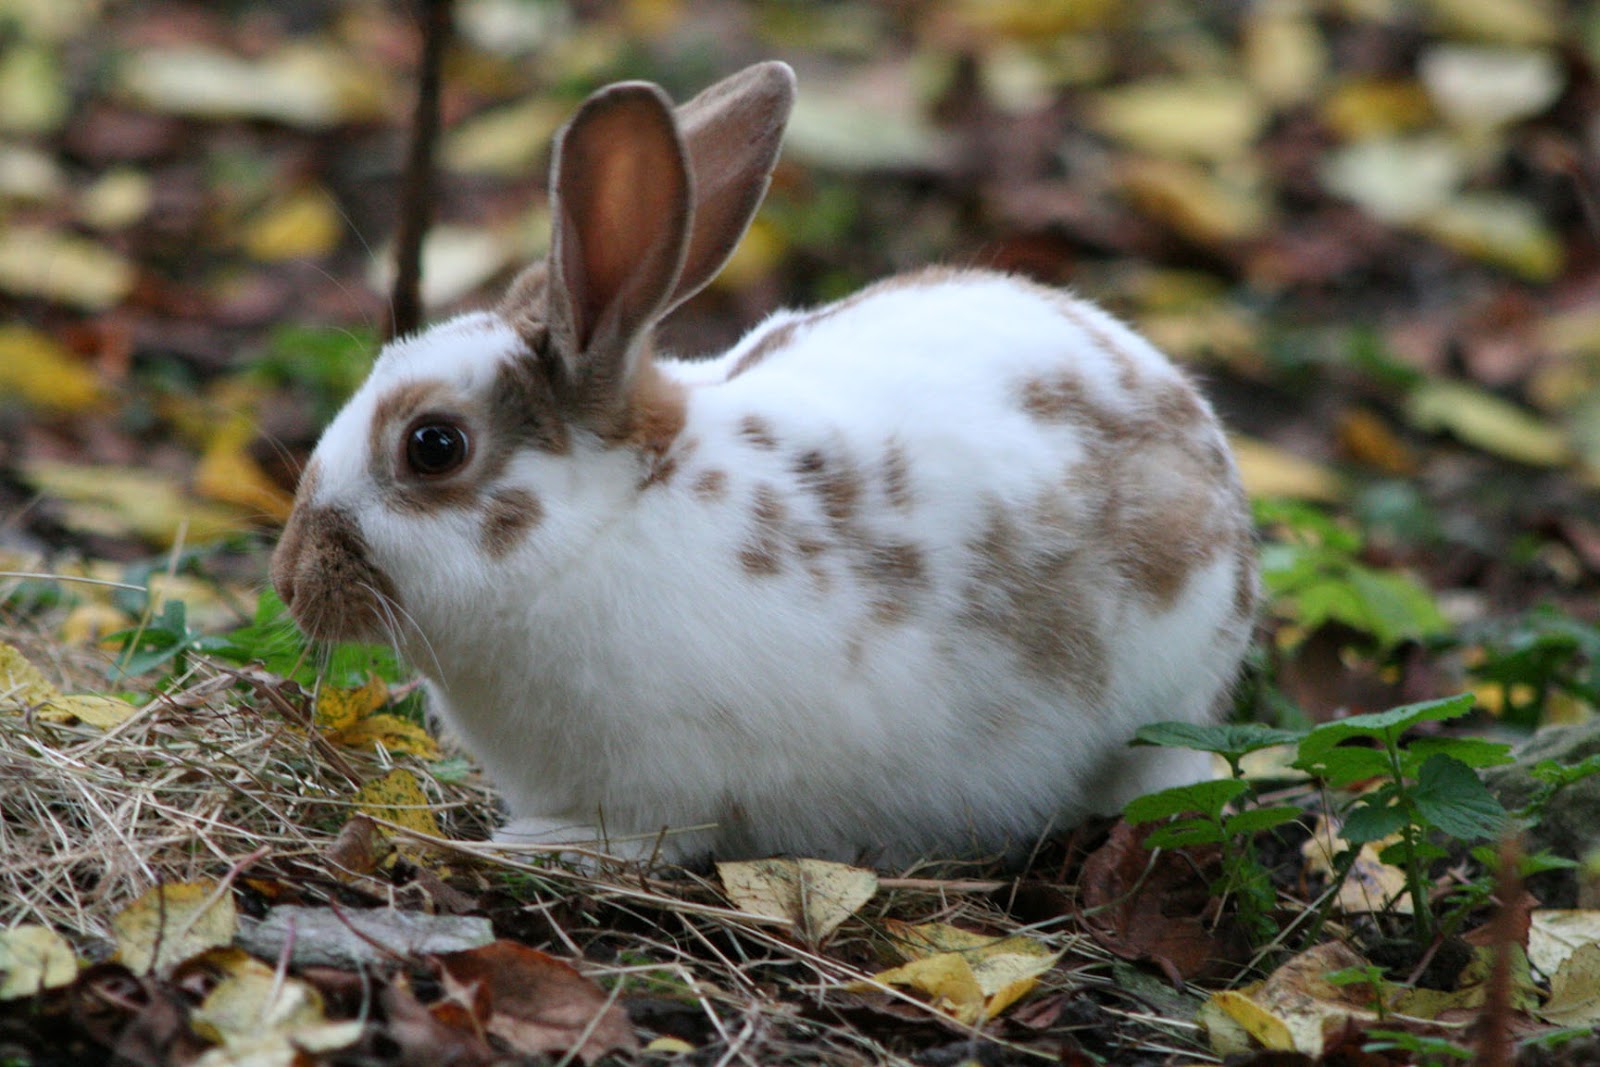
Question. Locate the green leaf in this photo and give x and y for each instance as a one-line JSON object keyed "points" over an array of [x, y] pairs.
{"points": [[1206, 797], [1340, 767], [1185, 832], [1371, 822], [1473, 751], [1451, 797], [1396, 608], [1257, 819], [1425, 851], [1232, 739], [1387, 726]]}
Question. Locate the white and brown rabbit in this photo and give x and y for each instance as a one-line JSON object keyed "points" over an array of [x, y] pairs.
{"points": [[895, 577]]}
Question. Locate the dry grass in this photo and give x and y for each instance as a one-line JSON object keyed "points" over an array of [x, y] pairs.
{"points": [[219, 768]]}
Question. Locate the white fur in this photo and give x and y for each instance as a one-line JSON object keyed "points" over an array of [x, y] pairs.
{"points": [[621, 667]]}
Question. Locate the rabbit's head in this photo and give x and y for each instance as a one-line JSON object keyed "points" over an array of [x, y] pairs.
{"points": [[521, 432]]}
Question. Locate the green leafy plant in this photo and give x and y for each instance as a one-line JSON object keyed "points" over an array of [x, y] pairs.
{"points": [[1425, 1051], [1370, 975], [1312, 569], [1200, 812], [1537, 656], [1427, 785]]}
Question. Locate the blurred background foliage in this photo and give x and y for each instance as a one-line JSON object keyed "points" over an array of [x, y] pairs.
{"points": [[1368, 225]]}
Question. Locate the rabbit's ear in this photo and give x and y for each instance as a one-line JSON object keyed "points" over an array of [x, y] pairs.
{"points": [[732, 132], [621, 197]]}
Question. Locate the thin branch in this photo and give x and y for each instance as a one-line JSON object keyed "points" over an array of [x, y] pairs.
{"points": [[416, 189]]}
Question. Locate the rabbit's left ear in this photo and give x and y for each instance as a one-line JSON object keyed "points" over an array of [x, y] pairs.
{"points": [[621, 197], [732, 132]]}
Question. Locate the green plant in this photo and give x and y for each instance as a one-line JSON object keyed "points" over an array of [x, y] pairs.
{"points": [[1536, 656], [1370, 975], [1419, 788], [1429, 784], [1311, 568], [1207, 822], [1427, 1051]]}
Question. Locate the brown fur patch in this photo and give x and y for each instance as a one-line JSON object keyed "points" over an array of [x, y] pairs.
{"points": [[711, 485], [758, 431], [1245, 583], [664, 467], [511, 514], [762, 552], [324, 575], [769, 343], [835, 482], [1035, 598], [897, 571], [897, 476]]}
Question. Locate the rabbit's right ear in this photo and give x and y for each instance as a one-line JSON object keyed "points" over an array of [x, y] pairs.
{"points": [[621, 198], [732, 132]]}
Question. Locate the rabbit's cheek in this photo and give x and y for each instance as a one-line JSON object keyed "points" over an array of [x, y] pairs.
{"points": [[510, 516], [325, 576]]}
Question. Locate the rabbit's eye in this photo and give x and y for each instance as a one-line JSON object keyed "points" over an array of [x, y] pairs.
{"points": [[434, 449]]}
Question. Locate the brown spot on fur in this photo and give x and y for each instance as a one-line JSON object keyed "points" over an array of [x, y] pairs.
{"points": [[897, 476], [511, 514], [711, 485], [1036, 599], [664, 467], [835, 483], [762, 553], [758, 432], [897, 570], [324, 575], [658, 408], [768, 343], [1166, 516], [390, 415]]}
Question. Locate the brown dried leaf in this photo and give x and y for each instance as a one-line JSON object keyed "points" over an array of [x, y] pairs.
{"points": [[537, 1003]]}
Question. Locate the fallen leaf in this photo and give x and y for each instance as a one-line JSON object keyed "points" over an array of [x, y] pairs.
{"points": [[1284, 54], [117, 199], [132, 501], [1575, 990], [536, 1003], [62, 268], [1505, 21], [350, 938], [456, 260], [1483, 86], [171, 923], [392, 734], [308, 84], [1554, 934], [24, 688], [339, 709], [1162, 911], [260, 1017], [871, 121], [1485, 421], [1269, 471], [33, 90], [814, 895], [303, 225], [971, 976], [1295, 1007], [1205, 117], [505, 142], [1196, 202], [1361, 108], [1500, 229], [29, 175], [32, 959], [1396, 181], [398, 798], [1370, 886]]}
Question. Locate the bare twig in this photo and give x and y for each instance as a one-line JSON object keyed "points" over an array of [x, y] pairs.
{"points": [[416, 190]]}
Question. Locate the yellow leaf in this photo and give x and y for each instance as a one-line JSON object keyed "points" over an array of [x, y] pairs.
{"points": [[814, 895], [393, 733], [33, 959], [1001, 969], [259, 1017], [1283, 52], [124, 501], [1269, 1031], [398, 798], [1195, 201], [171, 923], [62, 268], [1485, 421], [101, 711], [1199, 118], [339, 709], [42, 373], [92, 620], [310, 84], [1370, 885], [1554, 934], [754, 257], [303, 225], [1364, 108], [1506, 21], [505, 142], [229, 474], [117, 199], [1575, 990], [1269, 471], [672, 1046], [1501, 230]]}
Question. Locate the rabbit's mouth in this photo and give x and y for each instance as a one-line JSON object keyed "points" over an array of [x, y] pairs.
{"points": [[325, 577]]}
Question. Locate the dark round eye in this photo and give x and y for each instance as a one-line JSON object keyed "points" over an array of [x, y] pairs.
{"points": [[435, 448]]}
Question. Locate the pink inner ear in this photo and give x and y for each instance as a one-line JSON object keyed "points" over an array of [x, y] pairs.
{"points": [[623, 193]]}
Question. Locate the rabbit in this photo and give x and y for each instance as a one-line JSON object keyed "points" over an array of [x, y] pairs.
{"points": [[898, 577]]}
